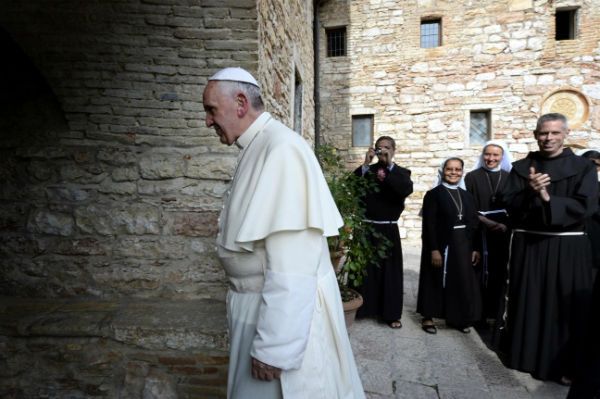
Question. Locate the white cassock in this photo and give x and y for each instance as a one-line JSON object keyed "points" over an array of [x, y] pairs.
{"points": [[284, 306]]}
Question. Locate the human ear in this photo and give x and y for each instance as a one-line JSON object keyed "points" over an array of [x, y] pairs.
{"points": [[242, 105]]}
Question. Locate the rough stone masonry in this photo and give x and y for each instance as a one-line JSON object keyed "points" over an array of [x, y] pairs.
{"points": [[111, 185], [497, 56]]}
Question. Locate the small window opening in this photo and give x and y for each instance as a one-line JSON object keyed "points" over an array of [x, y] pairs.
{"points": [[336, 42], [431, 33], [566, 24], [298, 103], [480, 127], [362, 130]]}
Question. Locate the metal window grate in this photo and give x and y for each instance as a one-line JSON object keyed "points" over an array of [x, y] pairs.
{"points": [[479, 131], [336, 42], [431, 33]]}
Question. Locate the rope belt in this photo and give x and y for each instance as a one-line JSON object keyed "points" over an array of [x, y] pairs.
{"points": [[380, 221], [445, 267], [548, 233], [495, 211], [543, 233]]}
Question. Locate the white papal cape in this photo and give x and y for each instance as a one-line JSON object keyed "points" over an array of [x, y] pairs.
{"points": [[284, 305]]}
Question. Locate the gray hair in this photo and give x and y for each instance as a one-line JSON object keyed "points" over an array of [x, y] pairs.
{"points": [[554, 116], [251, 91]]}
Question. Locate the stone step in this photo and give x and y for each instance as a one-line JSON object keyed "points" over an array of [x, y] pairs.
{"points": [[120, 348]]}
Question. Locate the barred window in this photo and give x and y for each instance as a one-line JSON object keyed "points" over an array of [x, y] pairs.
{"points": [[431, 33], [480, 127], [336, 42]]}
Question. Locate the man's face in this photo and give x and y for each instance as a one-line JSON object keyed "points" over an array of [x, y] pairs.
{"points": [[221, 110], [387, 150], [551, 138], [492, 155], [453, 171]]}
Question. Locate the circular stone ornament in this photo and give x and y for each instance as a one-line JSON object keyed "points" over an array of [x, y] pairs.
{"points": [[570, 102]]}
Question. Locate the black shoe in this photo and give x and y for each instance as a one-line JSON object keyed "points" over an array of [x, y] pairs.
{"points": [[428, 328], [565, 381]]}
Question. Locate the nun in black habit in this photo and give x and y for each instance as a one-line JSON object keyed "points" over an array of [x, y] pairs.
{"points": [[549, 196], [486, 182], [448, 283]]}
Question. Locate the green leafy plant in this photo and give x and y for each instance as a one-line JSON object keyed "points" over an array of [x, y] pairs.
{"points": [[353, 244]]}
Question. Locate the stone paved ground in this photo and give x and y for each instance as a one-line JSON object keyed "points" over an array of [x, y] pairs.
{"points": [[411, 364]]}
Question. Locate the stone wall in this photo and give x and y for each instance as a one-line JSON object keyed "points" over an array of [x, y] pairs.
{"points": [[111, 186], [286, 49], [123, 198], [119, 192], [496, 55]]}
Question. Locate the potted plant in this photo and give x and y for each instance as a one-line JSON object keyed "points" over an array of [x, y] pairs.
{"points": [[352, 251]]}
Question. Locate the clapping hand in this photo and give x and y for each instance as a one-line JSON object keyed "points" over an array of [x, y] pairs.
{"points": [[538, 182]]}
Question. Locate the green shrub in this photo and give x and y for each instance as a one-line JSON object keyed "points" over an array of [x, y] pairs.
{"points": [[353, 244]]}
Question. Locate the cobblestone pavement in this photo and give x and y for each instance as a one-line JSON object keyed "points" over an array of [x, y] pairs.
{"points": [[408, 363]]}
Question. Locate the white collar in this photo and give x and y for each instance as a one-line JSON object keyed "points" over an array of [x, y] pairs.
{"points": [[451, 186], [496, 169], [256, 126]]}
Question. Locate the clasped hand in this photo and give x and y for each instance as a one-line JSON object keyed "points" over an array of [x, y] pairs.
{"points": [[264, 372], [437, 260]]}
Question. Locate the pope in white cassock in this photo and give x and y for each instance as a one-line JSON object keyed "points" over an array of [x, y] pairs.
{"points": [[286, 324]]}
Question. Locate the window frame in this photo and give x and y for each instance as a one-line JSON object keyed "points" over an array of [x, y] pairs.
{"points": [[371, 127], [298, 100], [429, 21], [488, 113], [336, 52], [573, 22]]}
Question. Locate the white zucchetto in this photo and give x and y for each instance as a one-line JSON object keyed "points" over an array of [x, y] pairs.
{"points": [[235, 74]]}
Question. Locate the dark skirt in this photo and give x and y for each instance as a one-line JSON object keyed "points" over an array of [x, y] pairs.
{"points": [[586, 384], [549, 297], [493, 270], [383, 286], [457, 298]]}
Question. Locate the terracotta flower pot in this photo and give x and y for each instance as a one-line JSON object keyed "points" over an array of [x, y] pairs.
{"points": [[351, 306]]}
